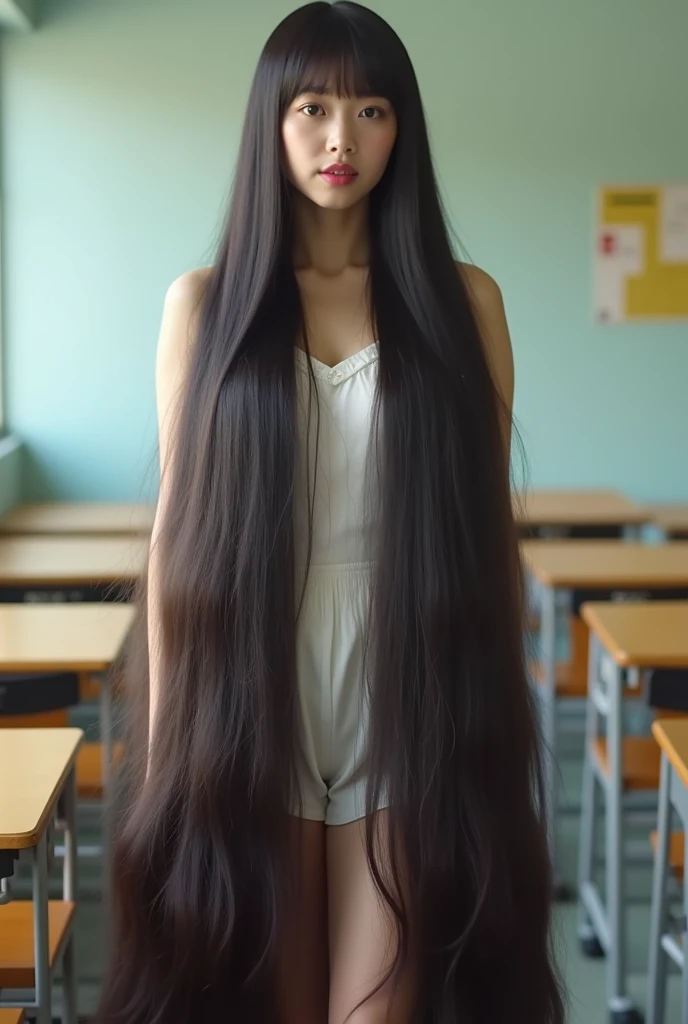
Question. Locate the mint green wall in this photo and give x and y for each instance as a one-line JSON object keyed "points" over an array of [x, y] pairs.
{"points": [[27, 7], [18, 14], [120, 121], [10, 473]]}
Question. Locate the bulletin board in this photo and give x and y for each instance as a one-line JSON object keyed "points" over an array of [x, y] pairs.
{"points": [[641, 253]]}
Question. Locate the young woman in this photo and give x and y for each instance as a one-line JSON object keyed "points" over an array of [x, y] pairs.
{"points": [[338, 820]]}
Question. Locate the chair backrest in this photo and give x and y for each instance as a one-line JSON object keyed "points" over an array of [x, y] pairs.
{"points": [[668, 691], [32, 693]]}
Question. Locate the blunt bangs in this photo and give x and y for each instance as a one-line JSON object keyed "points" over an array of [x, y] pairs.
{"points": [[333, 57]]}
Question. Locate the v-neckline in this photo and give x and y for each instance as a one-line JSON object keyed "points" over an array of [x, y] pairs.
{"points": [[336, 373]]}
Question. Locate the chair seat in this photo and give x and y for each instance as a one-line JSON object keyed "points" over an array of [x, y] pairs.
{"points": [[641, 757], [89, 769], [8, 1015], [17, 965], [677, 852], [570, 682]]}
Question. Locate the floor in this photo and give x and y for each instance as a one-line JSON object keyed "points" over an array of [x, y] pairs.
{"points": [[585, 979]]}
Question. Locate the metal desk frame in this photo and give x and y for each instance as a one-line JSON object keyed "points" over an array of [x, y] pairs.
{"points": [[42, 999], [556, 604], [605, 700], [663, 938]]}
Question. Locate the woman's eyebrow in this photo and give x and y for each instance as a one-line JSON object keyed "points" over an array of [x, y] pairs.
{"points": [[328, 90], [358, 97]]}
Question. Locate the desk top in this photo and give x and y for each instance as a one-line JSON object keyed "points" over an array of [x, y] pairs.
{"points": [[671, 518], [578, 508], [62, 637], [600, 563], [71, 560], [78, 517], [672, 736], [651, 634], [34, 764]]}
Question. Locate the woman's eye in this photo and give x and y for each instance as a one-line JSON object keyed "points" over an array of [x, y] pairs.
{"points": [[311, 109], [370, 113]]}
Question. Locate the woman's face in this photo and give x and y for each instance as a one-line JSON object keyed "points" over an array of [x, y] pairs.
{"points": [[328, 133]]}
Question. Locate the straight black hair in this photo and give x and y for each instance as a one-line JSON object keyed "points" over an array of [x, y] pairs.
{"points": [[200, 863]]}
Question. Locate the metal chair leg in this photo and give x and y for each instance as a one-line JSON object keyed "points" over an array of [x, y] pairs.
{"points": [[589, 808], [657, 970], [40, 933], [619, 1004], [69, 892]]}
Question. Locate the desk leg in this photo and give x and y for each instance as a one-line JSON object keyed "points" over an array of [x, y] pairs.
{"points": [[548, 654], [589, 807], [678, 801], [106, 730], [106, 753], [106, 810], [40, 931], [69, 889], [657, 970], [684, 968], [619, 1004]]}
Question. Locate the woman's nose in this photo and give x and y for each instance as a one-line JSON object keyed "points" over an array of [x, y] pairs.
{"points": [[341, 139]]}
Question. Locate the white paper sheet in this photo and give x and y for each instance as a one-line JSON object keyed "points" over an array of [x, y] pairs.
{"points": [[620, 253], [673, 229]]}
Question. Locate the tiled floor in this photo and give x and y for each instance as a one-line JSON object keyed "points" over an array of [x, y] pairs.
{"points": [[585, 979]]}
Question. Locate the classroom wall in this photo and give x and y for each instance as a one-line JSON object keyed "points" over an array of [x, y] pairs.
{"points": [[27, 7], [10, 473], [18, 14], [120, 122]]}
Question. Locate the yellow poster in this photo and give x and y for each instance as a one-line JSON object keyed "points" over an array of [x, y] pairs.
{"points": [[641, 253]]}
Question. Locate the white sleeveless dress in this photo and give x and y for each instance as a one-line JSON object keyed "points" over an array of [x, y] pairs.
{"points": [[332, 624]]}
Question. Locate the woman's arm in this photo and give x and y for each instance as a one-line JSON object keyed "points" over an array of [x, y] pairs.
{"points": [[488, 307], [178, 330]]}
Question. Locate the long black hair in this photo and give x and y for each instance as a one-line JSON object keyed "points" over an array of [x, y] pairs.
{"points": [[199, 864]]}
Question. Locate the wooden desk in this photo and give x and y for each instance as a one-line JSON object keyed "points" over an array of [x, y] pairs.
{"points": [[36, 769], [34, 765], [62, 637], [605, 565], [672, 519], [672, 737], [575, 570], [69, 638], [653, 635], [79, 518], [27, 562], [622, 636], [562, 511]]}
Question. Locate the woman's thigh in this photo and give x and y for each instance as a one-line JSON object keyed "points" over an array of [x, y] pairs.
{"points": [[303, 966], [362, 934]]}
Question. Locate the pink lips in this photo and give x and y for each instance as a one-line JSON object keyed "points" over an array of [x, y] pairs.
{"points": [[339, 174]]}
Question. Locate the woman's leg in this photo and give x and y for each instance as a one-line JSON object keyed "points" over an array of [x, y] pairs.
{"points": [[361, 933], [303, 969]]}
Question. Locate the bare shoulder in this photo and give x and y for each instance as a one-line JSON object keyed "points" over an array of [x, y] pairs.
{"points": [[488, 306], [189, 287], [178, 331], [180, 319], [483, 288]]}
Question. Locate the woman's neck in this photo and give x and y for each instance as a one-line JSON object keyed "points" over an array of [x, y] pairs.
{"points": [[330, 241]]}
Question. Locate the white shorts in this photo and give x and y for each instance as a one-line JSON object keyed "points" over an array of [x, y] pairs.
{"points": [[333, 701]]}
